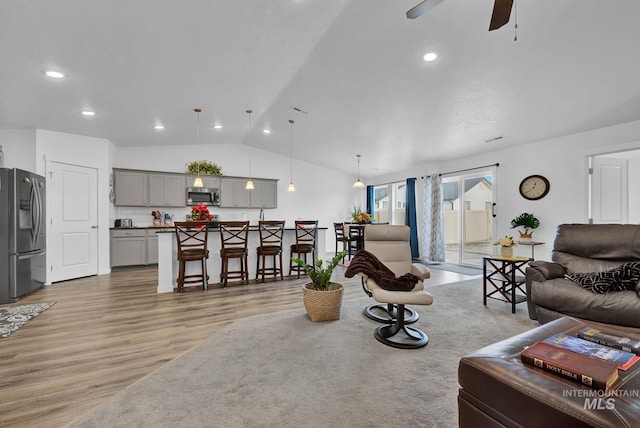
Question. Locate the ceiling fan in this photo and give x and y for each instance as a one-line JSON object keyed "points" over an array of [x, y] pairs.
{"points": [[499, 17]]}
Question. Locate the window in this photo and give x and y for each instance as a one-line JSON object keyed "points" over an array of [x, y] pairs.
{"points": [[390, 203]]}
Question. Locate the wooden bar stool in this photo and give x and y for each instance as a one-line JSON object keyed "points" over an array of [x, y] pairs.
{"points": [[192, 238], [271, 232], [234, 236], [306, 233]]}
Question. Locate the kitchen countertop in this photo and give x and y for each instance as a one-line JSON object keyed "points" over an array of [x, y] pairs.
{"points": [[252, 227]]}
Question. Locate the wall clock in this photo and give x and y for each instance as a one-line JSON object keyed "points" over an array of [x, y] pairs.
{"points": [[534, 187]]}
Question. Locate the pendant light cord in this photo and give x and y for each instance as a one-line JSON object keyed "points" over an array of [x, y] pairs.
{"points": [[291, 122], [197, 110], [249, 113]]}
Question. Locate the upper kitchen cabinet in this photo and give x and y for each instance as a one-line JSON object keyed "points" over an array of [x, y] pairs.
{"points": [[265, 194], [167, 190], [210, 182], [131, 188], [233, 193]]}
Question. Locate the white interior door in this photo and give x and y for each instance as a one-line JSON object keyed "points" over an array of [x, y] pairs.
{"points": [[609, 187], [73, 221]]}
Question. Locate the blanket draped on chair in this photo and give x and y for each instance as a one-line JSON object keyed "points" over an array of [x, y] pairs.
{"points": [[368, 264]]}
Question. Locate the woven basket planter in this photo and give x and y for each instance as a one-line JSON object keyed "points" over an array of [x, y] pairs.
{"points": [[323, 305]]}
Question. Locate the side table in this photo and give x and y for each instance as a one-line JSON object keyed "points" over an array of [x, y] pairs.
{"points": [[531, 244], [504, 275]]}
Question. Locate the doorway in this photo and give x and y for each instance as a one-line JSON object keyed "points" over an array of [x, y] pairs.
{"points": [[73, 221], [468, 217], [610, 197]]}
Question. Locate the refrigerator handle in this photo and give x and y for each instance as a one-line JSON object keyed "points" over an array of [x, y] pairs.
{"points": [[35, 213]]}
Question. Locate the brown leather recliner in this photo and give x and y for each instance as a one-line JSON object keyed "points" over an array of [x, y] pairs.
{"points": [[585, 248]]}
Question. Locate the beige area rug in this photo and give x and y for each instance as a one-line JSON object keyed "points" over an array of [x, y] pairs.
{"points": [[283, 370]]}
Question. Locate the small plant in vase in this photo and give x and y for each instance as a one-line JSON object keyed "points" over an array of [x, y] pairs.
{"points": [[527, 222], [506, 245]]}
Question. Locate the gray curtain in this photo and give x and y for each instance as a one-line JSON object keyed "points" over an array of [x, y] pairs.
{"points": [[433, 246]]}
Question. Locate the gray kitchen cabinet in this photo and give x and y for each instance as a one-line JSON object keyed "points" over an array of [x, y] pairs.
{"points": [[233, 193], [128, 247], [265, 194], [167, 190], [152, 247], [131, 188], [210, 182]]}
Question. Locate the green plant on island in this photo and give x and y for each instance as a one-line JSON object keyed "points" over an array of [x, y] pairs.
{"points": [[204, 167], [527, 222], [319, 273]]}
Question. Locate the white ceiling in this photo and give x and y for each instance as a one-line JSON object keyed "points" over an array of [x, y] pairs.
{"points": [[354, 65]]}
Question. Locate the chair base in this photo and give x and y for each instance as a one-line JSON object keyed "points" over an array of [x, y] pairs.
{"points": [[405, 337], [242, 274], [389, 313]]}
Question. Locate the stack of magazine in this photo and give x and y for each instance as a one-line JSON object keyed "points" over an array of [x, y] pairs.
{"points": [[593, 358]]}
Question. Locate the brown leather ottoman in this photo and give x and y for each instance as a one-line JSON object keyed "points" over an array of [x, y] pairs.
{"points": [[497, 390]]}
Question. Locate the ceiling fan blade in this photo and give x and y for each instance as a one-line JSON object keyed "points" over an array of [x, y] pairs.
{"points": [[421, 8], [501, 13]]}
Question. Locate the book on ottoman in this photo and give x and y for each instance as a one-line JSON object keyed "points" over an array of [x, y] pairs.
{"points": [[590, 371], [592, 349]]}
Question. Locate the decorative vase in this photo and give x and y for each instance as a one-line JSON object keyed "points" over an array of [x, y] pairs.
{"points": [[323, 305], [526, 237], [506, 251]]}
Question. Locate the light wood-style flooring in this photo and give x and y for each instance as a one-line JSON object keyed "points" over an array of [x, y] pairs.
{"points": [[106, 332]]}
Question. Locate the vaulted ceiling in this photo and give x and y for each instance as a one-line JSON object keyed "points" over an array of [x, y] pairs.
{"points": [[353, 67]]}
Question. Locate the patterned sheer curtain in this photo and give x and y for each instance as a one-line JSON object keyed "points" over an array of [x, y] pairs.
{"points": [[433, 246]]}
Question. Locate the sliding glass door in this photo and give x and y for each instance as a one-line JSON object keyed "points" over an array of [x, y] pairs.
{"points": [[468, 217]]}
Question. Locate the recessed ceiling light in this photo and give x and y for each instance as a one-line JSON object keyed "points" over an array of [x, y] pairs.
{"points": [[430, 56], [217, 126], [158, 127], [88, 113], [54, 74], [267, 131]]}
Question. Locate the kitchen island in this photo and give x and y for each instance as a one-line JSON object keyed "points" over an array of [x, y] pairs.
{"points": [[168, 250]]}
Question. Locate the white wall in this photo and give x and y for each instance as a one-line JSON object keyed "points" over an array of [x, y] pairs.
{"points": [[83, 151], [321, 193], [562, 160], [19, 147]]}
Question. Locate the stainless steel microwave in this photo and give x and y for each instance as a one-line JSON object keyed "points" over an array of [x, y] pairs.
{"points": [[203, 195]]}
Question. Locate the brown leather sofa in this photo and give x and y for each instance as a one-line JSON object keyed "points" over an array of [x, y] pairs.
{"points": [[585, 248]]}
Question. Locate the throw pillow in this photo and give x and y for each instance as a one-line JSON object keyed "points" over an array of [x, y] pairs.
{"points": [[623, 277]]}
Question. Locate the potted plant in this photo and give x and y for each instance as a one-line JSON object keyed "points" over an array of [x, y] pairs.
{"points": [[322, 298], [204, 167], [528, 222]]}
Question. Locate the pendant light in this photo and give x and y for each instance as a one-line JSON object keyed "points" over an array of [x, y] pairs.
{"points": [[358, 184], [249, 181], [198, 181], [292, 187]]}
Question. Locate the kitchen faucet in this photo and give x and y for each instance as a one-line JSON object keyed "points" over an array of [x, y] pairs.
{"points": [[261, 214]]}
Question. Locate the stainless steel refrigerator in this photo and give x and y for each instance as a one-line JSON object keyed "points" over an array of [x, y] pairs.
{"points": [[22, 233]]}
